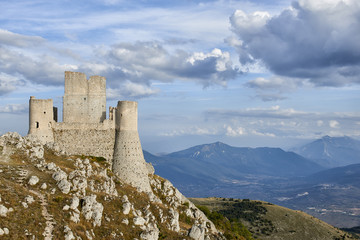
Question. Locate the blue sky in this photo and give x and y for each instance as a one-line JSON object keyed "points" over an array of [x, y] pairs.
{"points": [[247, 73]]}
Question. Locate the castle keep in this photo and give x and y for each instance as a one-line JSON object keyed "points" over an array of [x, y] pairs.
{"points": [[86, 131]]}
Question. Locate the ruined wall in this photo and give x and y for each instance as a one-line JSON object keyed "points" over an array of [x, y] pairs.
{"points": [[41, 119], [128, 161], [84, 100], [85, 129], [96, 139]]}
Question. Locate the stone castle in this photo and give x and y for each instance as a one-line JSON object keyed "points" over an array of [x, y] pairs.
{"points": [[86, 131]]}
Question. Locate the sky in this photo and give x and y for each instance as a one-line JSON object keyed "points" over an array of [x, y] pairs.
{"points": [[247, 73]]}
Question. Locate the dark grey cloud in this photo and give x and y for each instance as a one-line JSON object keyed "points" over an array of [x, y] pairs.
{"points": [[314, 40]]}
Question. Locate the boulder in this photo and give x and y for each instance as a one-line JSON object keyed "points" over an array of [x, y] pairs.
{"points": [[33, 180]]}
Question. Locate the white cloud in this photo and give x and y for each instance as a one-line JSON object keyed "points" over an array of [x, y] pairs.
{"points": [[143, 62], [254, 132], [334, 124], [234, 132], [198, 131]]}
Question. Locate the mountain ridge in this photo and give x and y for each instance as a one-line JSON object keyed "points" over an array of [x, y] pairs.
{"points": [[204, 171], [331, 151]]}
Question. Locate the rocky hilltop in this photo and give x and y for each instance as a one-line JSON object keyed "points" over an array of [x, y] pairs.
{"points": [[45, 194]]}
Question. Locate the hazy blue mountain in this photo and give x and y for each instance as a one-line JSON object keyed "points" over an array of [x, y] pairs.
{"points": [[332, 151], [267, 161], [332, 195], [218, 163], [268, 174], [348, 175]]}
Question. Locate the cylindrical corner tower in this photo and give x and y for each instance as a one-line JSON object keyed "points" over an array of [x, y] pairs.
{"points": [[128, 162], [41, 115]]}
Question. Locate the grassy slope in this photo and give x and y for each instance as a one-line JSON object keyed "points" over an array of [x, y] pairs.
{"points": [[277, 223]]}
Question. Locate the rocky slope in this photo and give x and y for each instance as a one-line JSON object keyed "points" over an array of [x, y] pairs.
{"points": [[45, 194]]}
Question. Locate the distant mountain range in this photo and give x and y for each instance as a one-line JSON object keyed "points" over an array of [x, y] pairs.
{"points": [[274, 175], [331, 151], [218, 163]]}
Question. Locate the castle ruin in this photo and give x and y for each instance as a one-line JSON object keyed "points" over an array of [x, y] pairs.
{"points": [[86, 131]]}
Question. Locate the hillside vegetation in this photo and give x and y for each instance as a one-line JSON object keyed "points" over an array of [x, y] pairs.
{"points": [[48, 195], [267, 221]]}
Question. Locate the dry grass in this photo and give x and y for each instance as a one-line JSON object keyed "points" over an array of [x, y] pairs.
{"points": [[14, 192], [289, 224], [21, 219]]}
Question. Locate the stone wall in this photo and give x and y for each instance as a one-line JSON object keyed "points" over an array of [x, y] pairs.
{"points": [[84, 100], [41, 115], [86, 139], [128, 161]]}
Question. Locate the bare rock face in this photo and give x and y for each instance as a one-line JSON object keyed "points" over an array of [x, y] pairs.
{"points": [[33, 180], [87, 191], [92, 209], [4, 231], [151, 233], [197, 232], [126, 207], [3, 210], [174, 220]]}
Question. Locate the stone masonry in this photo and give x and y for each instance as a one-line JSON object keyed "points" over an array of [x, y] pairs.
{"points": [[86, 131]]}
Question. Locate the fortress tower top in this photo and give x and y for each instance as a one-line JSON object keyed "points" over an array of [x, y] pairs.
{"points": [[84, 100]]}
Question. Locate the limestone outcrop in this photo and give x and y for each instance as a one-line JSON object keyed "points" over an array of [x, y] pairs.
{"points": [[95, 204]]}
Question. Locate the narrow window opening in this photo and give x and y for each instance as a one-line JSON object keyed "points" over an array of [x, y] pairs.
{"points": [[44, 112], [37, 124]]}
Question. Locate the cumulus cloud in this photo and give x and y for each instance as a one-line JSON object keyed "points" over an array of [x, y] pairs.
{"points": [[333, 124], [143, 62], [130, 68], [234, 132], [312, 40]]}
